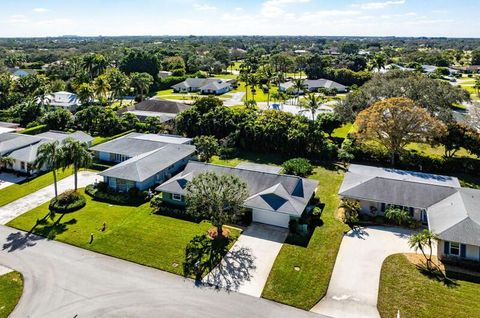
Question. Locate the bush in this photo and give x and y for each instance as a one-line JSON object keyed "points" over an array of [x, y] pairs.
{"points": [[227, 152], [35, 130], [298, 166], [165, 209], [67, 202], [293, 226], [399, 216], [103, 193], [463, 263]]}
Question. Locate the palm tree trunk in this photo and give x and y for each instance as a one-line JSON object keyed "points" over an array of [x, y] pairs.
{"points": [[268, 98], [55, 182], [219, 231], [75, 170]]}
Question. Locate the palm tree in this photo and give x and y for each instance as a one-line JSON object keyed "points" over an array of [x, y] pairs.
{"points": [[101, 86], [141, 83], [477, 85], [245, 77], [118, 83], [85, 93], [421, 241], [6, 162], [298, 86], [312, 103], [49, 155], [379, 61], [75, 153]]}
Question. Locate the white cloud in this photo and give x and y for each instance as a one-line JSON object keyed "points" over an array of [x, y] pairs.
{"points": [[275, 8], [40, 10], [204, 7], [18, 18], [378, 5]]}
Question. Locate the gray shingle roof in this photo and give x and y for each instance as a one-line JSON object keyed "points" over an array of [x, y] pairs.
{"points": [[202, 83], [146, 165], [271, 191], [157, 105]]}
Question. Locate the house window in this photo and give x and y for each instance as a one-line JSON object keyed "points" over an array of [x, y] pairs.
{"points": [[454, 249], [22, 165], [176, 197]]}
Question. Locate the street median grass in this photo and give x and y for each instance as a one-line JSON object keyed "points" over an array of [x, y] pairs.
{"points": [[11, 288], [405, 287], [133, 233], [300, 275], [19, 190]]}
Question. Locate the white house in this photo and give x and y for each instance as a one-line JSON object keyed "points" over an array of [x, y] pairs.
{"points": [[66, 100]]}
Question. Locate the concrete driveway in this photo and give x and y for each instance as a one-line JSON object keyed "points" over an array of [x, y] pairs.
{"points": [[7, 179], [353, 289], [235, 99], [10, 211], [246, 266], [65, 281]]}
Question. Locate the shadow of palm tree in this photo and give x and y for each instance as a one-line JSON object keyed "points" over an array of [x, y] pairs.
{"points": [[227, 269], [20, 241], [358, 232], [436, 274]]}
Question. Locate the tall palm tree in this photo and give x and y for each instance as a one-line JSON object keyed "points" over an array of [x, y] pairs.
{"points": [[379, 61], [101, 86], [312, 103], [267, 76], [85, 93], [245, 77], [6, 162], [118, 82], [421, 241], [298, 86], [49, 155], [141, 83], [75, 153], [477, 85]]}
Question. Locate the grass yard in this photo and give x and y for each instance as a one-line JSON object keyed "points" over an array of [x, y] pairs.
{"points": [[19, 190], [100, 140], [304, 288], [11, 287], [403, 287], [132, 233], [260, 96]]}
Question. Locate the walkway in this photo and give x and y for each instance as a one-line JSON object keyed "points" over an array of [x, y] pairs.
{"points": [[353, 288], [65, 281], [246, 266], [14, 209]]}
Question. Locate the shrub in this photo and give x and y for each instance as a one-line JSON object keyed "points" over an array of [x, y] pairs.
{"points": [[103, 193], [463, 263], [397, 215], [227, 152], [293, 226], [298, 166], [67, 202], [165, 209]]}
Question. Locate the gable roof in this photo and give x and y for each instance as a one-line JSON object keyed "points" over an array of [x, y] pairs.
{"points": [[271, 191], [146, 165], [157, 106], [203, 83]]}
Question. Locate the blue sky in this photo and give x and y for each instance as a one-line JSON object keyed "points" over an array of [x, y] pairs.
{"points": [[451, 18]]}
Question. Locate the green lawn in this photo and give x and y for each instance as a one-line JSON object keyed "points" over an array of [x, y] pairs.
{"points": [[100, 140], [343, 131], [11, 287], [403, 287], [132, 233], [17, 191], [304, 288], [260, 96]]}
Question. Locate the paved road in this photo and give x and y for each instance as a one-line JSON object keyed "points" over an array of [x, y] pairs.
{"points": [[65, 281], [353, 289], [12, 210], [246, 266]]}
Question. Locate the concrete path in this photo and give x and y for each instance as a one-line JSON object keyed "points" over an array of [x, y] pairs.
{"points": [[5, 270], [246, 266], [235, 99], [353, 289], [65, 281], [12, 210], [7, 179]]}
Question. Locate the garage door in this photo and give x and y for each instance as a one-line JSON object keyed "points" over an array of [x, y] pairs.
{"points": [[272, 218]]}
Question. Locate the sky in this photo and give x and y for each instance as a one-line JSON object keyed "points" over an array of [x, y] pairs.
{"points": [[434, 18]]}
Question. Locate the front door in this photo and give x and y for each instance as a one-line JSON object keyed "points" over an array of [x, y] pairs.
{"points": [[423, 217]]}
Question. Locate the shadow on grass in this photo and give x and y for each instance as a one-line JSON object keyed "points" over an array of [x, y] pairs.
{"points": [[203, 254], [436, 274], [51, 230]]}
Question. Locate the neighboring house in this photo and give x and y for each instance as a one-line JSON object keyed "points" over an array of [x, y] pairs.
{"points": [[66, 100], [274, 198], [144, 160], [432, 68], [467, 69], [163, 74], [315, 85], [205, 85], [23, 148], [450, 211], [391, 67], [165, 110], [18, 72]]}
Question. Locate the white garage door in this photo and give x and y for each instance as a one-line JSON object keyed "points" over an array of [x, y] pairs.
{"points": [[272, 218]]}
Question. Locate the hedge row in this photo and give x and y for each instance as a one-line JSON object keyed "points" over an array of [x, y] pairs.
{"points": [[35, 130], [104, 194]]}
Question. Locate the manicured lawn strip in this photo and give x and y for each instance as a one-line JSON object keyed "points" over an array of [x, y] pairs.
{"points": [[304, 288], [132, 233], [17, 191], [11, 288], [99, 140], [403, 287]]}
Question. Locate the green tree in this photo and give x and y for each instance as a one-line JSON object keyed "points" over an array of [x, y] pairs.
{"points": [[26, 112], [207, 147], [50, 156], [119, 83], [345, 153], [378, 62], [141, 83], [299, 87], [101, 86], [312, 103], [218, 198], [477, 85], [6, 162], [351, 209], [398, 215], [59, 119], [298, 167], [76, 154], [85, 93], [328, 122], [421, 241]]}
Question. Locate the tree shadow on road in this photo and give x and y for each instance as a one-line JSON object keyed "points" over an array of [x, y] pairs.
{"points": [[204, 254], [20, 241]]}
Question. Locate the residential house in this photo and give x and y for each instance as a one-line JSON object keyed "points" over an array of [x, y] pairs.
{"points": [[315, 85], [19, 72], [163, 109], [450, 211], [274, 198], [163, 74], [215, 86], [23, 148], [144, 160], [66, 100]]}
